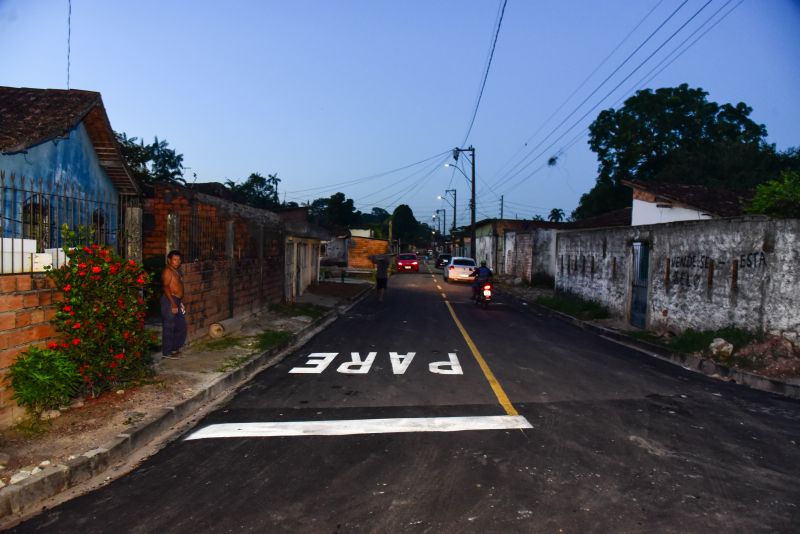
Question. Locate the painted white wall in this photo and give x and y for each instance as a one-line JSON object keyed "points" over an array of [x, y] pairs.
{"points": [[649, 213], [361, 232]]}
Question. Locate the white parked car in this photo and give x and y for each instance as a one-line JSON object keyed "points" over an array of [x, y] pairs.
{"points": [[459, 269]]}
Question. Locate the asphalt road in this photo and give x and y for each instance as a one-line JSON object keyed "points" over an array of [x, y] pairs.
{"points": [[616, 441]]}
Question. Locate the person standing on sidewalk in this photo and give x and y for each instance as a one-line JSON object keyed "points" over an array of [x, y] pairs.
{"points": [[381, 262], [173, 312]]}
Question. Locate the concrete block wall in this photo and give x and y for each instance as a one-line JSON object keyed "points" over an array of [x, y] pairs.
{"points": [[705, 275], [26, 307]]}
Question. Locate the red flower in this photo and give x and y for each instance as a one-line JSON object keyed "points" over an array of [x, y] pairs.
{"points": [[67, 308], [126, 335], [131, 263], [113, 269], [112, 364], [96, 269], [52, 345], [76, 341], [119, 356], [140, 280], [67, 287], [76, 326], [81, 265], [81, 273]]}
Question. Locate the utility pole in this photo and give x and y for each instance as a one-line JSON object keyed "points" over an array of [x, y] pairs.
{"points": [[456, 152], [501, 207], [444, 221], [455, 207]]}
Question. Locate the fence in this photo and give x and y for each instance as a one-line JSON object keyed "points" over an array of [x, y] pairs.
{"points": [[32, 212]]}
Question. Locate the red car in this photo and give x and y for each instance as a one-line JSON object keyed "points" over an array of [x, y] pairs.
{"points": [[407, 262]]}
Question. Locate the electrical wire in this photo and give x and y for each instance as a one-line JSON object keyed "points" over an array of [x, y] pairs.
{"points": [[486, 72], [505, 178], [580, 86], [367, 178], [576, 123]]}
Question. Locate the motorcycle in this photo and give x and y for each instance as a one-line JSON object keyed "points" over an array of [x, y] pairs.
{"points": [[482, 293]]}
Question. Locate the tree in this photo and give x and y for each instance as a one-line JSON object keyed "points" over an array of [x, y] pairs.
{"points": [[778, 198], [556, 215], [256, 191], [151, 163], [405, 226], [676, 135], [334, 212], [538, 218]]}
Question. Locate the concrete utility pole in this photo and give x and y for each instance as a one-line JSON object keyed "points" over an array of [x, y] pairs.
{"points": [[455, 205], [501, 207], [456, 152]]}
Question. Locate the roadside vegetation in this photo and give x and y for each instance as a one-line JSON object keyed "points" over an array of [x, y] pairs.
{"points": [[574, 306], [766, 355], [298, 309]]}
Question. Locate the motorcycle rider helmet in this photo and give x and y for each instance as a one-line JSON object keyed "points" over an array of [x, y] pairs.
{"points": [[483, 263]]}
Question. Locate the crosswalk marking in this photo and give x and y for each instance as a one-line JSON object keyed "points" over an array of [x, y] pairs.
{"points": [[360, 426]]}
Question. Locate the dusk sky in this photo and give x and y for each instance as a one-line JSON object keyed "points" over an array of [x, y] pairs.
{"points": [[329, 92]]}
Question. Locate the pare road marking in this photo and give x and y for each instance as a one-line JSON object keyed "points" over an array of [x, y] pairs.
{"points": [[317, 362], [360, 426]]}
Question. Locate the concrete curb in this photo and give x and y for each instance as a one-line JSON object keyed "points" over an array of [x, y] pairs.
{"points": [[23, 496], [691, 362]]}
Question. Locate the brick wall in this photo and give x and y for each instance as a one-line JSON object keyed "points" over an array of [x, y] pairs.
{"points": [[26, 307], [360, 248], [225, 274]]}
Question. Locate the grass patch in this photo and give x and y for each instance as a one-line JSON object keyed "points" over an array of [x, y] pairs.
{"points": [[698, 341], [31, 427], [574, 306], [270, 338], [233, 363], [294, 310], [223, 343]]}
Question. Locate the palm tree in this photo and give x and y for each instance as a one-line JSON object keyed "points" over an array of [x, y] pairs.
{"points": [[556, 215]]}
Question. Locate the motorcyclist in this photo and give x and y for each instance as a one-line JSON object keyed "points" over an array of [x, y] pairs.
{"points": [[482, 275]]}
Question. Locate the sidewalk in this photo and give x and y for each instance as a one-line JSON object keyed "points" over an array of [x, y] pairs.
{"points": [[109, 435]]}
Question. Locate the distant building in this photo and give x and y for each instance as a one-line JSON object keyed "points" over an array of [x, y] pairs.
{"points": [[658, 202]]}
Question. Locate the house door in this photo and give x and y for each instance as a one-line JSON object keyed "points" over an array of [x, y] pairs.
{"points": [[641, 257]]}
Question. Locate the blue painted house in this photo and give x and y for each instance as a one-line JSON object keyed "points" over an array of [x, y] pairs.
{"points": [[59, 163]]}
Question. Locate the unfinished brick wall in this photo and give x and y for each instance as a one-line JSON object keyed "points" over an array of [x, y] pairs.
{"points": [[232, 254], [360, 248], [26, 307]]}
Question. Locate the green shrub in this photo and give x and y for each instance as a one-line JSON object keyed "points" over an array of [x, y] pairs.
{"points": [[778, 198], [100, 320], [43, 379]]}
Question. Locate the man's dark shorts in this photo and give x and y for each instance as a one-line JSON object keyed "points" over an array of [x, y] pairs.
{"points": [[382, 283]]}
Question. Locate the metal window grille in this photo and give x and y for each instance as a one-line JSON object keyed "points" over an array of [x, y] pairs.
{"points": [[32, 212]]}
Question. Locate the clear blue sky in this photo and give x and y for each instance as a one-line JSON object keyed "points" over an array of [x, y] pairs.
{"points": [[325, 92]]}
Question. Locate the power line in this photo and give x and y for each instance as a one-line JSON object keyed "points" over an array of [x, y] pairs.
{"points": [[642, 83], [69, 37], [607, 95], [580, 86], [486, 73], [505, 179], [367, 178]]}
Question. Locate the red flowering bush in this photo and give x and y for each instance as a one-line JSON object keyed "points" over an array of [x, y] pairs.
{"points": [[101, 317]]}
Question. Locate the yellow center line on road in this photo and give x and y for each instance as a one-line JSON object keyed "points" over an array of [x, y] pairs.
{"points": [[487, 372]]}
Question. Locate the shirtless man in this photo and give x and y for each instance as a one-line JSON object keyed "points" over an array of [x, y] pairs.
{"points": [[173, 313]]}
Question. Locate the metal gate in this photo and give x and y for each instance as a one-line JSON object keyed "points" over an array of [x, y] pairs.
{"points": [[641, 257]]}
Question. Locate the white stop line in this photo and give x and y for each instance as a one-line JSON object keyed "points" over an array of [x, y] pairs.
{"points": [[360, 426]]}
